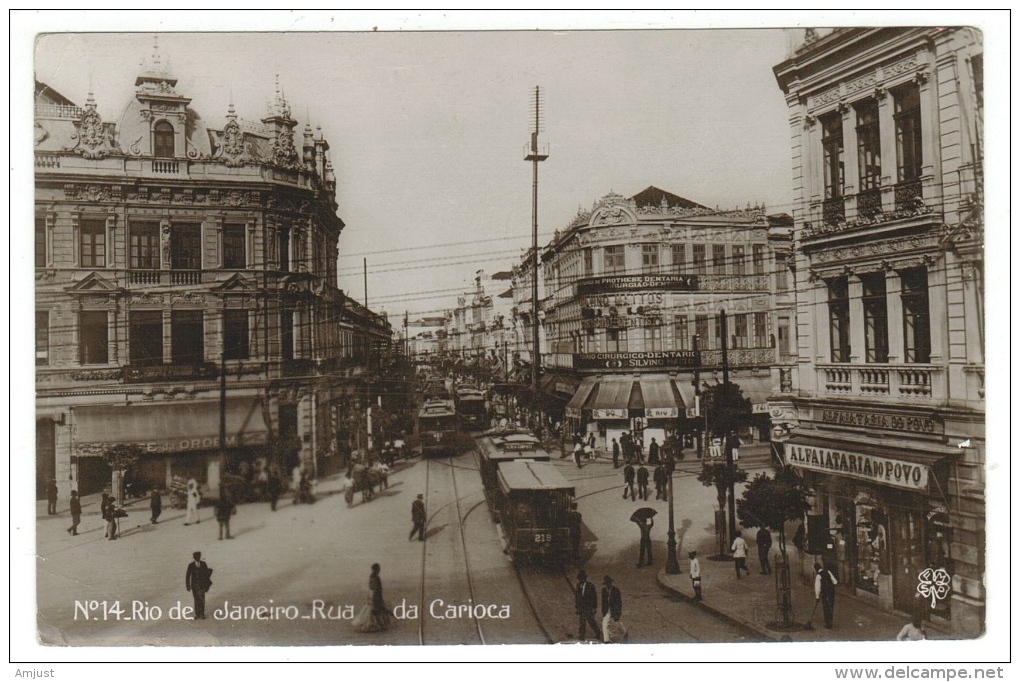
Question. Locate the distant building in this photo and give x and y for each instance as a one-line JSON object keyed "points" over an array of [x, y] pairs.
{"points": [[634, 291], [886, 133], [173, 252]]}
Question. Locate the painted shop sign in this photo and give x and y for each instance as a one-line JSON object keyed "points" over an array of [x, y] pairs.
{"points": [[661, 412], [671, 358], [195, 443], [623, 300], [627, 283], [879, 420], [856, 465], [609, 413]]}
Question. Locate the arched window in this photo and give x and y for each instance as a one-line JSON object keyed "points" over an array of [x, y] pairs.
{"points": [[163, 140]]}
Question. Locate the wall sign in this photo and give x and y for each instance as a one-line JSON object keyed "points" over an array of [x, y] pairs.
{"points": [[911, 423], [906, 475], [594, 285], [609, 413], [671, 358]]}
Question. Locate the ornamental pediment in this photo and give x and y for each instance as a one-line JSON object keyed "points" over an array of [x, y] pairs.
{"points": [[93, 283], [236, 284]]}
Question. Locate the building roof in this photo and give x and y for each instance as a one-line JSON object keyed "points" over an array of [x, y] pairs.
{"points": [[653, 196]]}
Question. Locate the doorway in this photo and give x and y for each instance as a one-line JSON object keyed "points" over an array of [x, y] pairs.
{"points": [[907, 554]]}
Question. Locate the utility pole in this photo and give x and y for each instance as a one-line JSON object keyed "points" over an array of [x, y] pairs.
{"points": [[535, 156]]}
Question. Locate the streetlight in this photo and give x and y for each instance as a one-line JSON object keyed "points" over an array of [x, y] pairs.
{"points": [[672, 564]]}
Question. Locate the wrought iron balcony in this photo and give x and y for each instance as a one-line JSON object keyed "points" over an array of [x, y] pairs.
{"points": [[908, 195], [833, 211]]}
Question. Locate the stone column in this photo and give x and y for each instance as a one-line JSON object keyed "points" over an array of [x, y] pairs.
{"points": [[938, 315], [167, 338]]}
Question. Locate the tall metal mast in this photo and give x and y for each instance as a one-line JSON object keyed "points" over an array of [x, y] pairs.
{"points": [[534, 155]]}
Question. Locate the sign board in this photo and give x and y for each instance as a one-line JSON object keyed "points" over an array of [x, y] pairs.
{"points": [[610, 413], [760, 408], [883, 470], [671, 358], [594, 285], [661, 412], [867, 419]]}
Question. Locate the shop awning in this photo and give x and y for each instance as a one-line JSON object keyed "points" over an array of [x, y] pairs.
{"points": [[893, 466], [755, 389], [576, 403], [660, 398], [171, 427], [611, 399]]}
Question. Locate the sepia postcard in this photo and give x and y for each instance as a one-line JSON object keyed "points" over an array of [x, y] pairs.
{"points": [[657, 330]]}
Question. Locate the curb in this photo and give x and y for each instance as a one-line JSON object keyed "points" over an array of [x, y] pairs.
{"points": [[738, 621]]}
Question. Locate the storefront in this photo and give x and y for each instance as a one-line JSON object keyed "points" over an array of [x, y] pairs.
{"points": [[177, 438], [647, 406], [879, 517]]}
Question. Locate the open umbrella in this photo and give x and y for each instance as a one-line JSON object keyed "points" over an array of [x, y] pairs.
{"points": [[641, 514]]}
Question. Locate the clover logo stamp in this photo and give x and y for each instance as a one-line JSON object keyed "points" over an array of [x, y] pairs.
{"points": [[934, 583]]}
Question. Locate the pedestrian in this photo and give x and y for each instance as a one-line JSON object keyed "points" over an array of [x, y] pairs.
{"points": [[418, 518], [104, 509], [155, 505], [739, 548], [625, 446], [695, 573], [75, 513], [51, 496], [616, 454], [653, 452], [193, 497], [628, 481], [642, 482], [375, 616], [735, 444], [612, 612], [586, 601], [198, 580], [660, 478], [912, 631], [764, 541], [825, 592], [574, 526], [112, 510], [224, 510], [578, 452], [591, 441], [274, 487], [646, 540]]}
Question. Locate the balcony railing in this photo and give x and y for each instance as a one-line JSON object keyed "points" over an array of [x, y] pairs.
{"points": [[739, 357], [908, 194], [869, 203], [833, 211], [143, 276], [185, 277], [165, 166], [58, 111], [900, 382], [47, 161]]}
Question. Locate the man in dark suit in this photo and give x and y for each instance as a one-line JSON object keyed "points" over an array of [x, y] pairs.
{"points": [[75, 513], [51, 497], [628, 481], [586, 601], [418, 518], [198, 581], [764, 541], [642, 482], [612, 600]]}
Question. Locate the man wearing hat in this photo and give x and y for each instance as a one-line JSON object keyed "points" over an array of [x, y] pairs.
{"points": [[612, 606], [197, 580], [418, 518], [75, 513], [695, 575], [586, 600]]}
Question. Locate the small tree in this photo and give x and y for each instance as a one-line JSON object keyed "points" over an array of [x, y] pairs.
{"points": [[120, 457], [771, 502], [721, 476]]}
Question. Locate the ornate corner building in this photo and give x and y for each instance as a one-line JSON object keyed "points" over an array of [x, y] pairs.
{"points": [[178, 262], [631, 286], [886, 139]]}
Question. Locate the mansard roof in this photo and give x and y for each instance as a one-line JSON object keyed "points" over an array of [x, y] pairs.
{"points": [[653, 196]]}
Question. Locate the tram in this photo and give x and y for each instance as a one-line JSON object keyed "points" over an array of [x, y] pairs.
{"points": [[535, 510], [437, 427], [470, 403], [435, 389], [497, 447]]}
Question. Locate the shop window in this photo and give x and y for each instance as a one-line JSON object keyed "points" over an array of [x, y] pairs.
{"points": [[93, 337], [235, 335], [145, 337], [40, 241], [186, 246], [163, 140], [916, 323], [650, 259], [187, 337], [839, 320], [612, 260], [144, 246], [718, 259], [698, 255], [907, 107], [739, 262], [758, 258], [234, 257], [93, 242], [42, 337], [876, 322], [679, 259], [871, 528]]}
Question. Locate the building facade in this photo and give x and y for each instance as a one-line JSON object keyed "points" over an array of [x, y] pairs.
{"points": [[886, 139], [178, 263], [640, 293]]}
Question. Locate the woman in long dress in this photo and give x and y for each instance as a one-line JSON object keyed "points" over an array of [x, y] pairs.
{"points": [[375, 616]]}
